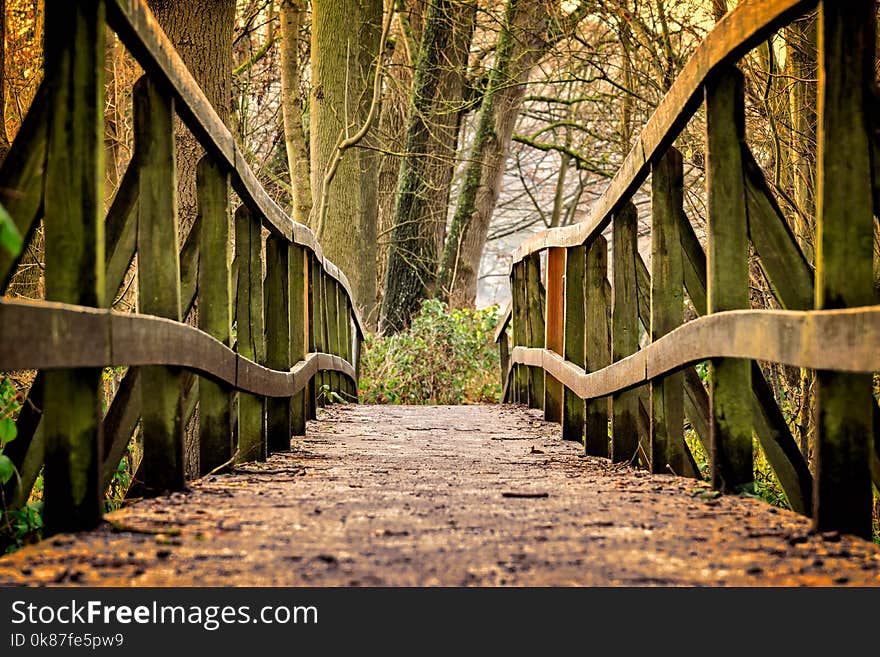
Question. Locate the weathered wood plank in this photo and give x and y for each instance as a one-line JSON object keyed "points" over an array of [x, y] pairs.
{"points": [[298, 319], [780, 256], [624, 331], [250, 332], [276, 290], [21, 176], [844, 259], [742, 28], [331, 306], [554, 330], [668, 449], [120, 229], [74, 255], [520, 331], [534, 305], [162, 466], [573, 408], [215, 312], [728, 277], [598, 348]]}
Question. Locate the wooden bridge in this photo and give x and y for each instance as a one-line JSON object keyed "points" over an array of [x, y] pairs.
{"points": [[440, 495]]}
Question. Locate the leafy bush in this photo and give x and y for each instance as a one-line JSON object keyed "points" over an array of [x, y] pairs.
{"points": [[446, 357]]}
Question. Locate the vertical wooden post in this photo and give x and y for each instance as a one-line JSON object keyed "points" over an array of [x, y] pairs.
{"points": [[668, 449], [278, 327], [727, 263], [347, 353], [575, 318], [625, 331], [331, 300], [504, 359], [519, 386], [316, 330], [598, 348], [535, 325], [554, 330], [249, 331], [842, 494], [162, 466], [298, 319], [74, 251], [215, 309]]}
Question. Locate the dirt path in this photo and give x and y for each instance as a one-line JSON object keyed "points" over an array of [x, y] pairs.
{"points": [[483, 495]]}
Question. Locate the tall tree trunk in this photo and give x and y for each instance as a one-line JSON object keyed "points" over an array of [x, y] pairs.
{"points": [[522, 42], [293, 14], [201, 30], [427, 168], [392, 129], [338, 110]]}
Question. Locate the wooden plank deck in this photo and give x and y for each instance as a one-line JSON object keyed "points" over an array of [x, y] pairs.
{"points": [[466, 495]]}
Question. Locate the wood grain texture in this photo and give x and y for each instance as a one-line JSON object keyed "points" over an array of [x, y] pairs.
{"points": [[597, 349], [250, 332], [728, 277], [162, 466], [520, 332], [298, 321], [74, 255], [668, 449], [534, 305], [624, 330], [573, 409], [276, 291], [844, 259], [741, 29], [554, 329]]}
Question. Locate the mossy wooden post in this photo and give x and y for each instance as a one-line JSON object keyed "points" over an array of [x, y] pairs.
{"points": [[554, 330], [331, 301], [598, 348], [215, 310], [316, 330], [345, 323], [519, 385], [535, 325], [504, 359], [575, 317], [624, 331], [74, 252], [842, 494], [162, 466], [727, 263], [249, 332], [276, 291], [668, 450], [298, 320]]}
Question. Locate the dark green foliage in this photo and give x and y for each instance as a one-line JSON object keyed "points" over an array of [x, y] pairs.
{"points": [[445, 357]]}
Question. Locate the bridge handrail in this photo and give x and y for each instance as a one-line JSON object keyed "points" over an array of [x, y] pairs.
{"points": [[575, 338], [298, 332]]}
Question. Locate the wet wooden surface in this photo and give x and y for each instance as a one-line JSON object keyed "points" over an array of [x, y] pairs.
{"points": [[469, 495]]}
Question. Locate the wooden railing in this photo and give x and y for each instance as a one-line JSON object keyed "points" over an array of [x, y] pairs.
{"points": [[575, 335], [279, 344]]}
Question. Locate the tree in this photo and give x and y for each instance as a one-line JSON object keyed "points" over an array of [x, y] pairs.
{"points": [[523, 40], [419, 219], [343, 214]]}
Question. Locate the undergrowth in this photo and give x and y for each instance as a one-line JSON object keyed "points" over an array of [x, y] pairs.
{"points": [[447, 356]]}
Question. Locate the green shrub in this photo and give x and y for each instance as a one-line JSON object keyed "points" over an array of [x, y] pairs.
{"points": [[446, 357]]}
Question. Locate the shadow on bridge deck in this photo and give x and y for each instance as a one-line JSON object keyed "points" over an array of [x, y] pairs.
{"points": [[468, 495]]}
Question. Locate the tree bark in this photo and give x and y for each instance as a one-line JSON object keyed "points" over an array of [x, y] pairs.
{"points": [[293, 14], [522, 42], [201, 31], [4, 138], [426, 170], [337, 110]]}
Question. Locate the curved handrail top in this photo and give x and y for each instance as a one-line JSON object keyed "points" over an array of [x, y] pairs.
{"points": [[740, 30], [839, 340]]}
